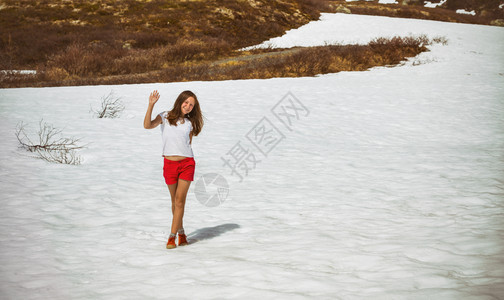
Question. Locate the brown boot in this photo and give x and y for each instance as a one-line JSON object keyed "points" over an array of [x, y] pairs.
{"points": [[171, 243], [182, 240]]}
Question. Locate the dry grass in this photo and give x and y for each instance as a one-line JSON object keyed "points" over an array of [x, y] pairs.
{"points": [[309, 61], [269, 63], [129, 41], [485, 14], [102, 41], [97, 59], [135, 25]]}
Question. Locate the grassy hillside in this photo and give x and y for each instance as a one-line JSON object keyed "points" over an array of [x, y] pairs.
{"points": [[487, 12], [31, 32], [71, 42]]}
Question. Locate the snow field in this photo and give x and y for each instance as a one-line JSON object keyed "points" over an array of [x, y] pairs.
{"points": [[391, 188]]}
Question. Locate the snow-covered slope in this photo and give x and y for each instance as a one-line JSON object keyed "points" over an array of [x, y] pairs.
{"points": [[388, 185]]}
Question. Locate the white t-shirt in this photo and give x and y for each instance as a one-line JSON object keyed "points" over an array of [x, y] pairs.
{"points": [[176, 139]]}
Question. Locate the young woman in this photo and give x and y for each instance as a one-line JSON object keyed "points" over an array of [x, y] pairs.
{"points": [[178, 126]]}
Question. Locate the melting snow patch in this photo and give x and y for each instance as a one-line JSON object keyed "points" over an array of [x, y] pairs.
{"points": [[433, 5], [23, 72], [465, 12]]}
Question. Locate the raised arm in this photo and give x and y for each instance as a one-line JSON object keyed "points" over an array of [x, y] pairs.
{"points": [[148, 123]]}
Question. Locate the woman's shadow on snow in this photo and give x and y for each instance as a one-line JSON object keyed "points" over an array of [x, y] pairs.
{"points": [[210, 232]]}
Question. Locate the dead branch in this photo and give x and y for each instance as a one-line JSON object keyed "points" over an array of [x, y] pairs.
{"points": [[111, 107], [50, 146]]}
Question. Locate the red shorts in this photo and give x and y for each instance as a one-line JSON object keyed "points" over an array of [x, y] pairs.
{"points": [[183, 169]]}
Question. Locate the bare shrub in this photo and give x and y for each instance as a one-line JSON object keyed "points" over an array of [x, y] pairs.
{"points": [[440, 40], [395, 49], [74, 60], [196, 49], [185, 50], [314, 7], [391, 44], [81, 60], [111, 107], [138, 61], [308, 61], [49, 145], [56, 74], [210, 61], [148, 40], [186, 73]]}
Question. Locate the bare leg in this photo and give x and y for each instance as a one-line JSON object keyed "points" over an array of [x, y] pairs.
{"points": [[179, 204], [173, 189]]}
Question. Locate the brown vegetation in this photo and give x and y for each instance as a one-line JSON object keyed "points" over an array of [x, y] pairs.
{"points": [[308, 61], [445, 13], [33, 31], [261, 63], [127, 41]]}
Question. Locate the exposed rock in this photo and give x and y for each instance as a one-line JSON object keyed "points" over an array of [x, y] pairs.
{"points": [[497, 22], [225, 11], [342, 9]]}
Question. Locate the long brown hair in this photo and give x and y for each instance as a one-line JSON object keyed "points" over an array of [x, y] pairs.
{"points": [[195, 116]]}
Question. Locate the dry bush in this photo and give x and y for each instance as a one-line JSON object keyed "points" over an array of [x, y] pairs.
{"points": [[393, 50], [86, 60], [186, 73], [314, 7], [268, 63], [195, 50], [440, 40], [320, 5], [149, 39], [308, 61], [144, 24], [50, 146], [137, 61], [98, 59], [57, 74], [111, 107], [34, 43], [73, 60]]}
